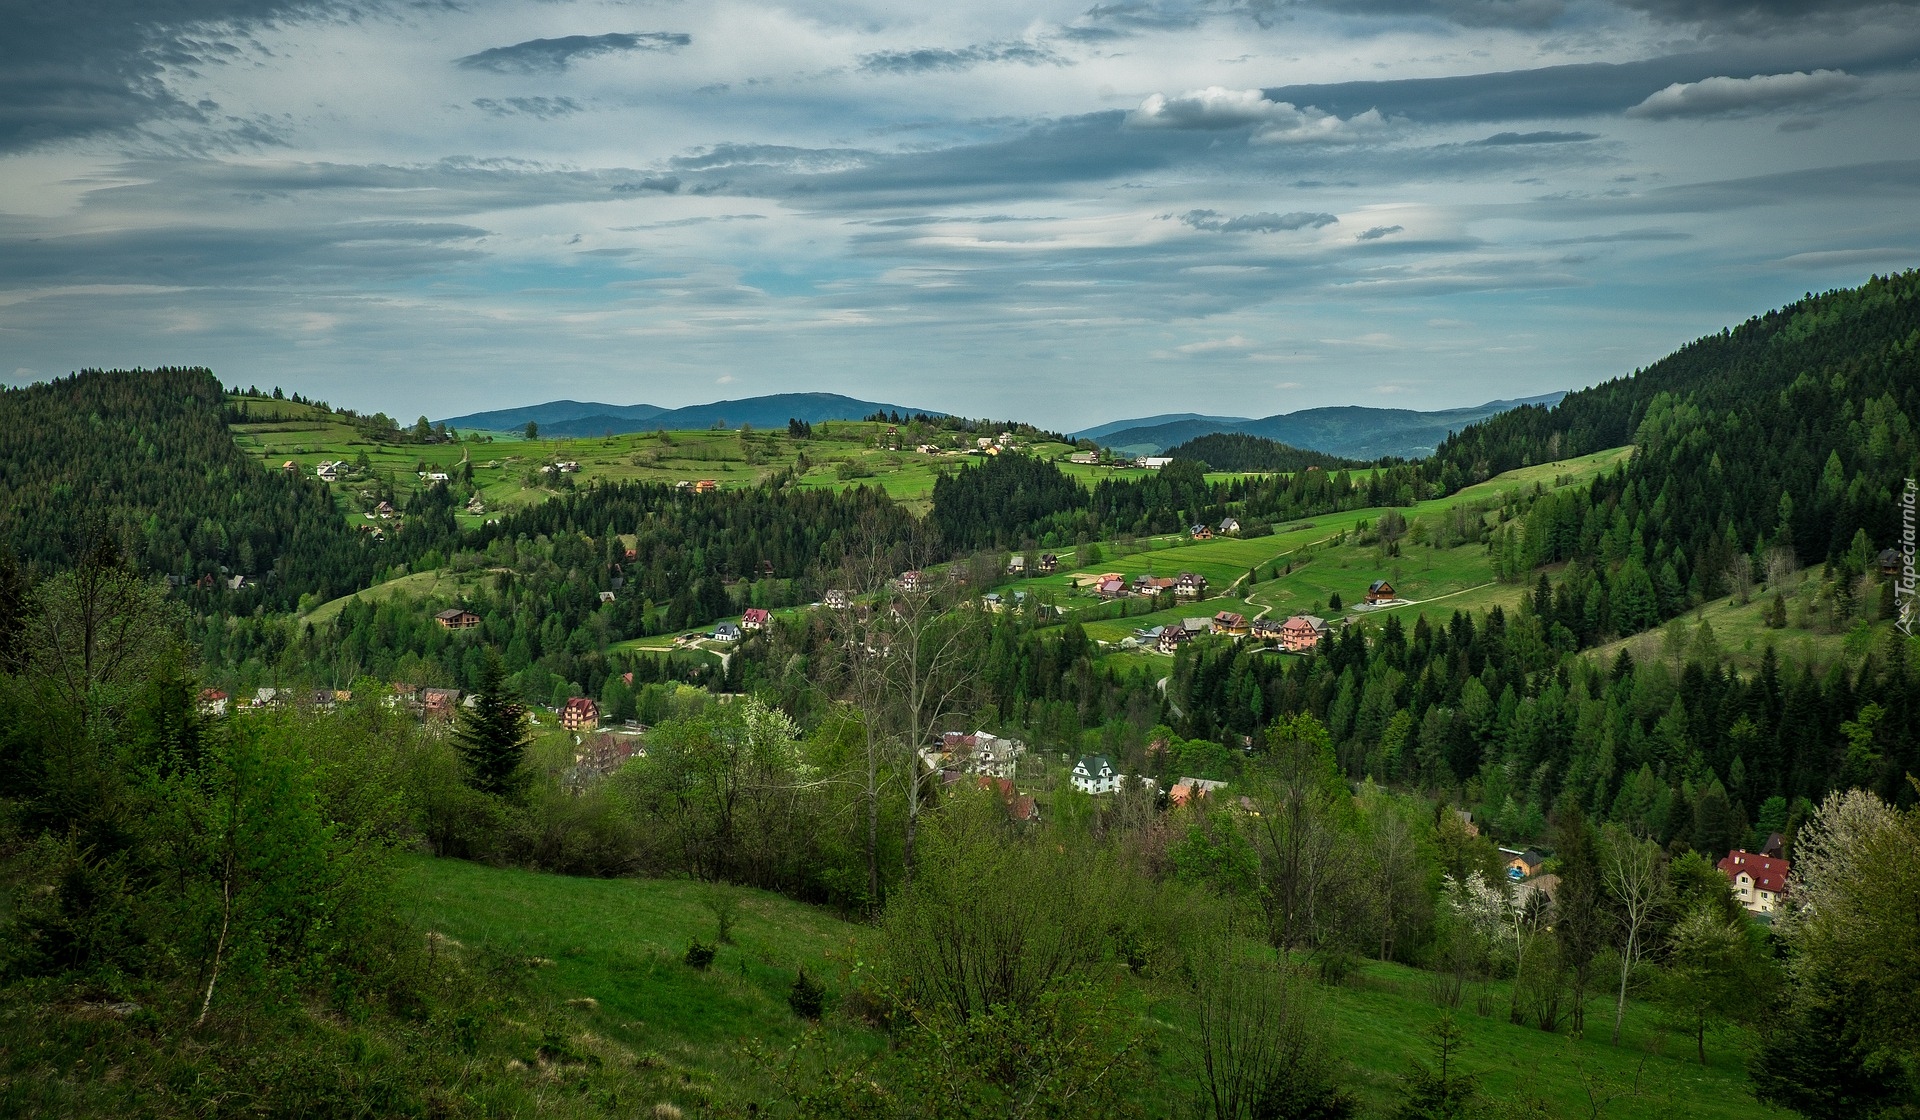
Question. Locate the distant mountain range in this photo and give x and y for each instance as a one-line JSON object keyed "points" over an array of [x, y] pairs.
{"points": [[590, 418], [1350, 430]]}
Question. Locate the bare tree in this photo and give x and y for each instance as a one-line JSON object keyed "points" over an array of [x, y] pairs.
{"points": [[1782, 565], [1256, 1037], [910, 656], [1635, 878]]}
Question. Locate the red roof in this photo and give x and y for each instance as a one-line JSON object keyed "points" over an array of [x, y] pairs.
{"points": [[1768, 874]]}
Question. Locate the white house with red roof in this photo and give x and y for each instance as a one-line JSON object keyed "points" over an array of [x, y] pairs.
{"points": [[755, 618], [1759, 882]]}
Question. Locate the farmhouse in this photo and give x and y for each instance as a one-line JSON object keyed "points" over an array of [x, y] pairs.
{"points": [[1094, 774], [1302, 632], [580, 714], [1149, 586], [606, 596], [755, 618], [1380, 591], [1200, 533], [1016, 565], [726, 632], [1020, 806], [911, 581], [1229, 526], [1523, 865], [1084, 458], [1189, 585], [1048, 563], [213, 702], [1759, 882], [440, 703], [1890, 562], [1152, 462], [1170, 638], [1229, 623], [1111, 587], [456, 619]]}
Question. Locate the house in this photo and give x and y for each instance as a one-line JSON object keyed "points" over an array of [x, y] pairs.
{"points": [[580, 714], [1547, 885], [992, 601], [1196, 626], [455, 618], [1200, 533], [1264, 630], [1465, 818], [1302, 632], [1188, 790], [1380, 591], [705, 486], [384, 511], [290, 467], [1094, 774], [911, 581], [1774, 847], [1170, 638], [1111, 587], [1189, 585], [1523, 865], [437, 476], [994, 756], [726, 632], [322, 699], [236, 583], [1048, 562], [1152, 462], [1020, 806], [1759, 882], [404, 694], [1149, 586], [1230, 526], [1890, 564], [1084, 458], [330, 471], [836, 600], [755, 618], [475, 506], [568, 467], [266, 698], [213, 702], [440, 703], [602, 754], [1231, 624], [983, 443], [606, 596], [1016, 565]]}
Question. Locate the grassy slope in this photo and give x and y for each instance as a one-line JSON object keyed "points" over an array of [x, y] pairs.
{"points": [[618, 943], [1742, 634]]}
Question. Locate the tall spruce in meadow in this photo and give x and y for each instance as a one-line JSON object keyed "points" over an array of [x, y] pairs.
{"points": [[1579, 921], [492, 736]]}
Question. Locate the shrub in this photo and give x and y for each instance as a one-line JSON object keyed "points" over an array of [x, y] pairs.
{"points": [[700, 955], [808, 997]]}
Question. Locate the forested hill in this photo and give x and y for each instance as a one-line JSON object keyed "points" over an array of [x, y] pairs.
{"points": [[1794, 428], [1237, 451], [145, 456]]}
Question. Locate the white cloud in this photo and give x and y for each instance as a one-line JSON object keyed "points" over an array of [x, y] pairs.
{"points": [[1718, 96], [1209, 345], [1279, 122]]}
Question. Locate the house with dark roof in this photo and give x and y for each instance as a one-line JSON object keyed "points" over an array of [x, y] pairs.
{"points": [[1094, 774], [726, 632], [1189, 585], [1523, 865], [1380, 591], [455, 618], [1759, 882]]}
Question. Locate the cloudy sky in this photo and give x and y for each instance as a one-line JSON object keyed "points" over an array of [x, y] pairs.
{"points": [[1046, 210]]}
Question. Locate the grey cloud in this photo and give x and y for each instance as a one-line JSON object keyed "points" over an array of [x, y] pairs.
{"points": [[1560, 92], [664, 184], [1471, 13], [1755, 11], [341, 252], [965, 58], [545, 108], [1892, 178], [1623, 235], [1508, 139], [71, 70], [1378, 232], [552, 55], [1720, 95], [1215, 222]]}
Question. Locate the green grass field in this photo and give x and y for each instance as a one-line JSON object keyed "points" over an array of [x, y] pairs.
{"points": [[1742, 636], [615, 948]]}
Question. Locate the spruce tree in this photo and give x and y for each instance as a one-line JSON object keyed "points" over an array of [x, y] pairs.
{"points": [[492, 736]]}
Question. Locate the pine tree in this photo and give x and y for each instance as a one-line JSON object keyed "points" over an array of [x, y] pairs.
{"points": [[492, 737]]}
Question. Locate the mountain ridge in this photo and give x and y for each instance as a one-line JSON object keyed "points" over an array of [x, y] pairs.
{"points": [[588, 418], [1353, 431]]}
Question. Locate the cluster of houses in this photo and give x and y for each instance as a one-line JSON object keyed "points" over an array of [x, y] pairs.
{"points": [[1759, 880], [1113, 585], [1095, 774], [567, 467], [698, 486], [1229, 527], [1299, 634], [332, 470], [982, 753]]}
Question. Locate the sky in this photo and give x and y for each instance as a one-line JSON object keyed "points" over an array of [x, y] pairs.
{"points": [[1056, 212]]}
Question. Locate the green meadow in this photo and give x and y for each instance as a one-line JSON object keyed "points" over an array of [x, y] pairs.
{"points": [[609, 951]]}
